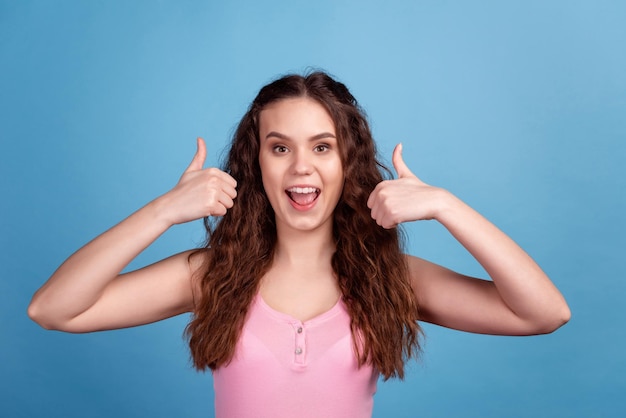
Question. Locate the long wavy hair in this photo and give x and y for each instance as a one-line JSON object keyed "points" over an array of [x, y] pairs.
{"points": [[371, 269]]}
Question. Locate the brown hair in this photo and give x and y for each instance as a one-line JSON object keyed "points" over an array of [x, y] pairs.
{"points": [[371, 269]]}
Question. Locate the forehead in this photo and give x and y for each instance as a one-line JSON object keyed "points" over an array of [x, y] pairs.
{"points": [[296, 116]]}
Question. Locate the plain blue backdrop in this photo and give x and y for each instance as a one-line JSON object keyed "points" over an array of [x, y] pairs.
{"points": [[517, 107]]}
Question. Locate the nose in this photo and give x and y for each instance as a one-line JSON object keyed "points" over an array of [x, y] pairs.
{"points": [[302, 163]]}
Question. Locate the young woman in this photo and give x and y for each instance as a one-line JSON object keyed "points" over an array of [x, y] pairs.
{"points": [[302, 296]]}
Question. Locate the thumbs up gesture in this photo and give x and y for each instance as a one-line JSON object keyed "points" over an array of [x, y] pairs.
{"points": [[200, 192], [404, 199]]}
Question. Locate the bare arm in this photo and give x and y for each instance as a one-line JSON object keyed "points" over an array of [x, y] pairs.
{"points": [[519, 300], [88, 293]]}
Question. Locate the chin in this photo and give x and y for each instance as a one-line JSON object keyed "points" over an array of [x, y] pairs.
{"points": [[304, 225]]}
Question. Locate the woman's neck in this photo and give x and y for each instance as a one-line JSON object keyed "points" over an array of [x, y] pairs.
{"points": [[303, 249], [301, 281]]}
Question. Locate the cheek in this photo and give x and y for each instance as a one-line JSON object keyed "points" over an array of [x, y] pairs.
{"points": [[265, 171], [335, 177], [271, 183], [336, 171]]}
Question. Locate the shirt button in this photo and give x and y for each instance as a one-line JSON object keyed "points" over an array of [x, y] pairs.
{"points": [[299, 330], [298, 350]]}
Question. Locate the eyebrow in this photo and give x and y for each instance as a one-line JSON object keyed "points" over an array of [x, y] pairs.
{"points": [[313, 138]]}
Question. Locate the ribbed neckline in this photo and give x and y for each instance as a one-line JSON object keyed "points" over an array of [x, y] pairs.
{"points": [[324, 316]]}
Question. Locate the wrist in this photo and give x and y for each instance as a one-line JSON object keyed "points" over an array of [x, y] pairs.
{"points": [[448, 205], [159, 211]]}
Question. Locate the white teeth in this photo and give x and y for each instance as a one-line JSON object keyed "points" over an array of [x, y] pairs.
{"points": [[303, 190]]}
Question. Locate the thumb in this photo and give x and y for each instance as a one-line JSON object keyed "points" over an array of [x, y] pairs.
{"points": [[398, 163], [198, 159]]}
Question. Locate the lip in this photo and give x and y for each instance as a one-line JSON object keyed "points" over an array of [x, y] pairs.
{"points": [[302, 188]]}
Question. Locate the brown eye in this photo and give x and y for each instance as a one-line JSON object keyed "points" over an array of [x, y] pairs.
{"points": [[321, 148]]}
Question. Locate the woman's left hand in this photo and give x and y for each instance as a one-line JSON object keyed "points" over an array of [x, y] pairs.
{"points": [[404, 199]]}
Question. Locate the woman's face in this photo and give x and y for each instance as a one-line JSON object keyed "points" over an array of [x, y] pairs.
{"points": [[300, 163]]}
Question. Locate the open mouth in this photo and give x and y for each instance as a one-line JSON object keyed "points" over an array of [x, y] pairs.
{"points": [[303, 195]]}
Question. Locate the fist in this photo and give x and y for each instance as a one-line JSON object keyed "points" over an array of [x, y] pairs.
{"points": [[404, 199], [201, 192]]}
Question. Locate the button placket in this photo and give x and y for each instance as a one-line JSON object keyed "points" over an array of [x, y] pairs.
{"points": [[300, 346]]}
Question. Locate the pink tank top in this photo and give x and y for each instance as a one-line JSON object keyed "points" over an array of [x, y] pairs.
{"points": [[287, 368]]}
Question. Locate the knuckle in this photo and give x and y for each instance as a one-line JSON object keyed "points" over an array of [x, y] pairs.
{"points": [[212, 180]]}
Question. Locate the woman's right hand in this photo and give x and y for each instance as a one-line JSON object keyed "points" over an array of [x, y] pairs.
{"points": [[88, 292], [200, 192]]}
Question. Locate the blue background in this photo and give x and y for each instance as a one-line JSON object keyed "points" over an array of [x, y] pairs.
{"points": [[517, 107]]}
